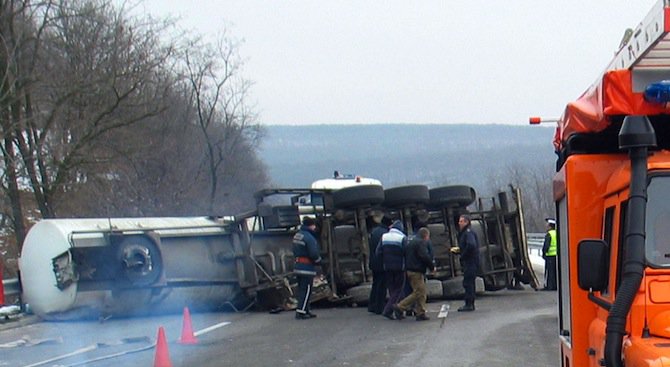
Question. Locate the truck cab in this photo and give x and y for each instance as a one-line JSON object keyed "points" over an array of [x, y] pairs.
{"points": [[612, 190]]}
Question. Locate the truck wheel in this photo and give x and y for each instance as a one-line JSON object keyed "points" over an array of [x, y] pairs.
{"points": [[495, 282], [453, 287], [360, 294], [434, 289], [357, 196], [456, 195], [140, 261], [402, 196], [477, 226]]}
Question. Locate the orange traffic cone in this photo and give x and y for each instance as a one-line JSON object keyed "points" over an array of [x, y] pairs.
{"points": [[162, 357], [187, 336]]}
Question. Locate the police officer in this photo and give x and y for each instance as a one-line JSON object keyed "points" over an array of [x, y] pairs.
{"points": [[306, 253], [549, 255], [468, 248]]}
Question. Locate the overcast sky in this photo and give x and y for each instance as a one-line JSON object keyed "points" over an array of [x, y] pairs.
{"points": [[398, 61]]}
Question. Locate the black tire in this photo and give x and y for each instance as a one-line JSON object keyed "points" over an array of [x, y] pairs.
{"points": [[360, 294], [477, 227], [358, 196], [452, 288], [140, 261], [452, 196], [404, 196], [495, 281]]}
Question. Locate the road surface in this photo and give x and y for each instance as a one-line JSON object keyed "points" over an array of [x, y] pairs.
{"points": [[509, 328]]}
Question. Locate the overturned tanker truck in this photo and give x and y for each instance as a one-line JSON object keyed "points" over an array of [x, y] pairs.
{"points": [[88, 268]]}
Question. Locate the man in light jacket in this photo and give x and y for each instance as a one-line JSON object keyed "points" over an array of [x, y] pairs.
{"points": [[392, 252]]}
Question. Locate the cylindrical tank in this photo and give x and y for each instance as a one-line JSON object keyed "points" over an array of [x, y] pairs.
{"points": [[73, 268]]}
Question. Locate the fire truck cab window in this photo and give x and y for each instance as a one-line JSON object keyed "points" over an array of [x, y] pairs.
{"points": [[658, 222]]}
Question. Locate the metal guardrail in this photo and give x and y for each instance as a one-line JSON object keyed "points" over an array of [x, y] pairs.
{"points": [[535, 242]]}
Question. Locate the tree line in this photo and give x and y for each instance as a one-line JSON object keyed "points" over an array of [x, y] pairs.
{"points": [[104, 113]]}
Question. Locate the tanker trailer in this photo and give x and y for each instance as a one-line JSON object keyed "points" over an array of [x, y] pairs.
{"points": [[87, 268]]}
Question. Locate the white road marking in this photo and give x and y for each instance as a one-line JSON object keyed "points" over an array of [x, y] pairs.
{"points": [[94, 346], [211, 328], [63, 356]]}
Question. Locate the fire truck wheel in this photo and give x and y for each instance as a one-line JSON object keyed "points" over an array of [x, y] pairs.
{"points": [[404, 196], [456, 195], [358, 196], [140, 261]]}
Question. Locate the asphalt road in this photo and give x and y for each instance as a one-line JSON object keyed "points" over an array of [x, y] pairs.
{"points": [[509, 328]]}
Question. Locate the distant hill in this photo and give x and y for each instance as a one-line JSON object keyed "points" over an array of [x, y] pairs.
{"points": [[399, 154]]}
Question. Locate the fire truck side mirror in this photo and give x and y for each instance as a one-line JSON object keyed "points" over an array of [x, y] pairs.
{"points": [[592, 264]]}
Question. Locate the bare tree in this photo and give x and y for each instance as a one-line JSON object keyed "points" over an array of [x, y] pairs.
{"points": [[101, 115], [98, 72], [155, 169], [72, 72], [20, 27], [219, 97], [536, 187]]}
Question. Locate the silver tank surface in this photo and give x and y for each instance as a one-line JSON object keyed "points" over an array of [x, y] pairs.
{"points": [[72, 268]]}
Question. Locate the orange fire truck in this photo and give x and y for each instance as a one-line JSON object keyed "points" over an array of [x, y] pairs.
{"points": [[612, 194]]}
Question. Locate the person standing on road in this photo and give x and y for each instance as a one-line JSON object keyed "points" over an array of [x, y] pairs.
{"points": [[418, 259], [392, 252], [549, 256], [468, 248], [378, 290], [306, 253], [407, 288]]}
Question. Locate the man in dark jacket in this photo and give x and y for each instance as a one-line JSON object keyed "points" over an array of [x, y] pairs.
{"points": [[306, 253], [468, 247], [417, 261], [392, 252], [378, 290]]}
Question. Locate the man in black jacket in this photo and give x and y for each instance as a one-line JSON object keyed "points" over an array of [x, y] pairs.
{"points": [[468, 248], [417, 261], [378, 291]]}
